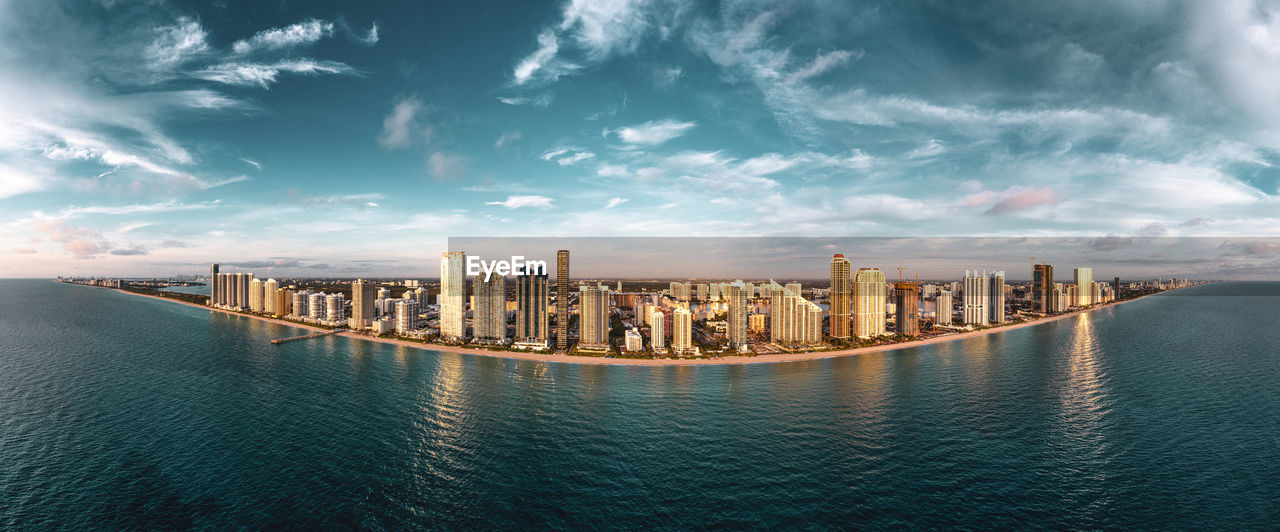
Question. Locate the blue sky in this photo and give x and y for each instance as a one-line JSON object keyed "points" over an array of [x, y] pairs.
{"points": [[352, 139]]}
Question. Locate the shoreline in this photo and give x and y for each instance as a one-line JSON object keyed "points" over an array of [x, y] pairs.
{"points": [[733, 360]]}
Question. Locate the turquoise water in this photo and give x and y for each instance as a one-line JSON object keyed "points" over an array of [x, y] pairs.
{"points": [[118, 411]]}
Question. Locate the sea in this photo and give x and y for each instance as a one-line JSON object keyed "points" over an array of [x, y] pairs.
{"points": [[124, 412]]}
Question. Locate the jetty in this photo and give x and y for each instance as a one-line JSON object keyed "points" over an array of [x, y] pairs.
{"points": [[279, 341]]}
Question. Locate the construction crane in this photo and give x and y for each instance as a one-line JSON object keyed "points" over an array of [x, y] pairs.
{"points": [[900, 270]]}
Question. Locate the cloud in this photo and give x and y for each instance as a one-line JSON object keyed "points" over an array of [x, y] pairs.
{"points": [[302, 33], [542, 64], [131, 250], [929, 149], [24, 251], [506, 137], [252, 163], [516, 202], [595, 30], [176, 44], [1152, 229], [244, 73], [538, 100], [83, 243], [567, 156], [821, 64], [614, 202], [652, 133], [1018, 199], [174, 244], [399, 126], [1110, 243], [446, 166]]}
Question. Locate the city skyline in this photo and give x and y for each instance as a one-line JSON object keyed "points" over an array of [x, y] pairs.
{"points": [[149, 140]]}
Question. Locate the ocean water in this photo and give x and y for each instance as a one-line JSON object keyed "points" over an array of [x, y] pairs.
{"points": [[123, 412]]}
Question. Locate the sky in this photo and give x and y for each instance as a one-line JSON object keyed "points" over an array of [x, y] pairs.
{"points": [[345, 139]]}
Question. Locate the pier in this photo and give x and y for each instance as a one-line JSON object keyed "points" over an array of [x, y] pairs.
{"points": [[279, 341]]}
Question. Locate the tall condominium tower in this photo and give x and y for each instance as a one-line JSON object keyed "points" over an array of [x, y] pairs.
{"points": [[255, 295], [593, 318], [270, 303], [995, 298], [943, 302], [213, 285], [976, 290], [335, 308], [737, 296], [453, 293], [315, 306], [1084, 292], [682, 327], [906, 298], [1042, 289], [406, 315], [490, 314], [362, 311], [868, 303], [795, 319], [841, 296], [562, 301], [1115, 288], [531, 308], [657, 336]]}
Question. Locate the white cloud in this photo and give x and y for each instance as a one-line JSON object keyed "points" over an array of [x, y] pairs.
{"points": [[598, 30], [614, 202], [516, 202], [542, 64], [507, 137], [652, 133], [252, 163], [821, 64], [242, 73], [567, 156], [538, 100], [176, 44], [302, 33], [446, 166], [401, 123]]}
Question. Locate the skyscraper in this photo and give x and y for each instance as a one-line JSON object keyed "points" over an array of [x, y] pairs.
{"points": [[657, 336], [995, 298], [407, 311], [841, 294], [737, 296], [453, 288], [362, 312], [269, 299], [1084, 292], [943, 303], [794, 319], [868, 303], [976, 291], [531, 307], [213, 285], [490, 314], [315, 306], [593, 319], [335, 308], [255, 295], [906, 298], [562, 301], [1042, 289], [682, 338]]}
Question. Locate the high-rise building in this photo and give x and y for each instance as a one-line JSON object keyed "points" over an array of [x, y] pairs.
{"points": [[593, 316], [1115, 288], [682, 337], [657, 336], [995, 298], [868, 303], [976, 292], [795, 320], [737, 330], [301, 299], [531, 307], [490, 313], [270, 303], [213, 285], [315, 306], [1042, 289], [255, 295], [906, 298], [284, 302], [943, 304], [362, 311], [335, 308], [1084, 292], [407, 311], [562, 301], [841, 297], [453, 288]]}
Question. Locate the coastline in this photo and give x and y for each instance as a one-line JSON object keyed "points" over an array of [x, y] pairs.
{"points": [[570, 359]]}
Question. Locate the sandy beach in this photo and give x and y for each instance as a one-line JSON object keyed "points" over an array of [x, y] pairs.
{"points": [[572, 359]]}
